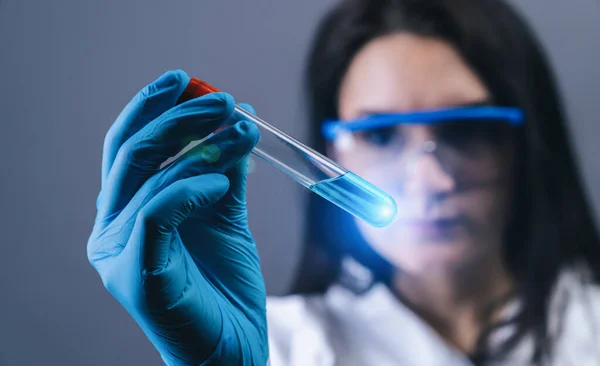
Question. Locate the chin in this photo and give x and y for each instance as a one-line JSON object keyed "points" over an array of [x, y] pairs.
{"points": [[427, 258], [423, 250]]}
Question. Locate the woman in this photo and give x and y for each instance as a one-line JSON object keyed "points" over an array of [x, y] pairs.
{"points": [[450, 107]]}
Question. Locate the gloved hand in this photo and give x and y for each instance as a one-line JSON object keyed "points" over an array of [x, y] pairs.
{"points": [[173, 245]]}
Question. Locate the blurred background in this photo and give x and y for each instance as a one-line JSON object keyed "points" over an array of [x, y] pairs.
{"points": [[68, 67]]}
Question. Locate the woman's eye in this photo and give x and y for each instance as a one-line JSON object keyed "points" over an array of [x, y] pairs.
{"points": [[465, 135], [379, 136], [457, 134]]}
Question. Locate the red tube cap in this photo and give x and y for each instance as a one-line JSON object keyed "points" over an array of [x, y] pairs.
{"points": [[196, 88]]}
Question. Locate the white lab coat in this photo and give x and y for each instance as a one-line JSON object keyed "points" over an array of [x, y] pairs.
{"points": [[344, 329]]}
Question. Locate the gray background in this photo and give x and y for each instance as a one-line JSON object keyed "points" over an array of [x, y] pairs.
{"points": [[67, 67]]}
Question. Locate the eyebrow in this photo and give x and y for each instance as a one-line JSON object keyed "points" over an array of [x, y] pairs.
{"points": [[481, 103]]}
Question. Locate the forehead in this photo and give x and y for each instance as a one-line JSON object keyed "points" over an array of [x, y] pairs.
{"points": [[404, 72]]}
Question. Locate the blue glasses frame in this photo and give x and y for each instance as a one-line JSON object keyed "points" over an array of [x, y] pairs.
{"points": [[513, 116]]}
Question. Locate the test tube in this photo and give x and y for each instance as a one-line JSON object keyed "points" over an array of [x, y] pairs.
{"points": [[306, 166]]}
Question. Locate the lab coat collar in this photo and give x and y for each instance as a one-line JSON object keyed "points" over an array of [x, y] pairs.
{"points": [[395, 327]]}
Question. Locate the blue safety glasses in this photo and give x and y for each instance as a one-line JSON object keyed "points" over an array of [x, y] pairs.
{"points": [[468, 142], [509, 115]]}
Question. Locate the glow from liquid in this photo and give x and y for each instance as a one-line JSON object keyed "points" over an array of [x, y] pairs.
{"points": [[358, 197]]}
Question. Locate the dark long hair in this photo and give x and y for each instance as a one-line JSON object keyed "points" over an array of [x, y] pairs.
{"points": [[551, 227]]}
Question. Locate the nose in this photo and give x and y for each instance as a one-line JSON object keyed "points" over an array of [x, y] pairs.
{"points": [[423, 174], [419, 169]]}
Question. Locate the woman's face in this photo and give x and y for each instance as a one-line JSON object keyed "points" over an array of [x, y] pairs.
{"points": [[442, 223]]}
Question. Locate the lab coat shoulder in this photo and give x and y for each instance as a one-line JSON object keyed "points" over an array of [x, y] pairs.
{"points": [[575, 321], [297, 330], [573, 324]]}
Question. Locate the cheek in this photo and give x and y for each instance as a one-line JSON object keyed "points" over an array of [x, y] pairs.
{"points": [[487, 208]]}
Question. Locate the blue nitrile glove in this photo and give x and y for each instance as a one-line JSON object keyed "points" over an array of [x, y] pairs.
{"points": [[173, 245]]}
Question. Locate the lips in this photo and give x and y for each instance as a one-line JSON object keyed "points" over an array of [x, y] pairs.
{"points": [[432, 228]]}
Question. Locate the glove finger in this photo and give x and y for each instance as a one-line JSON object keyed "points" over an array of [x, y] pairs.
{"points": [[149, 103], [248, 107], [237, 175], [141, 156], [156, 222]]}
